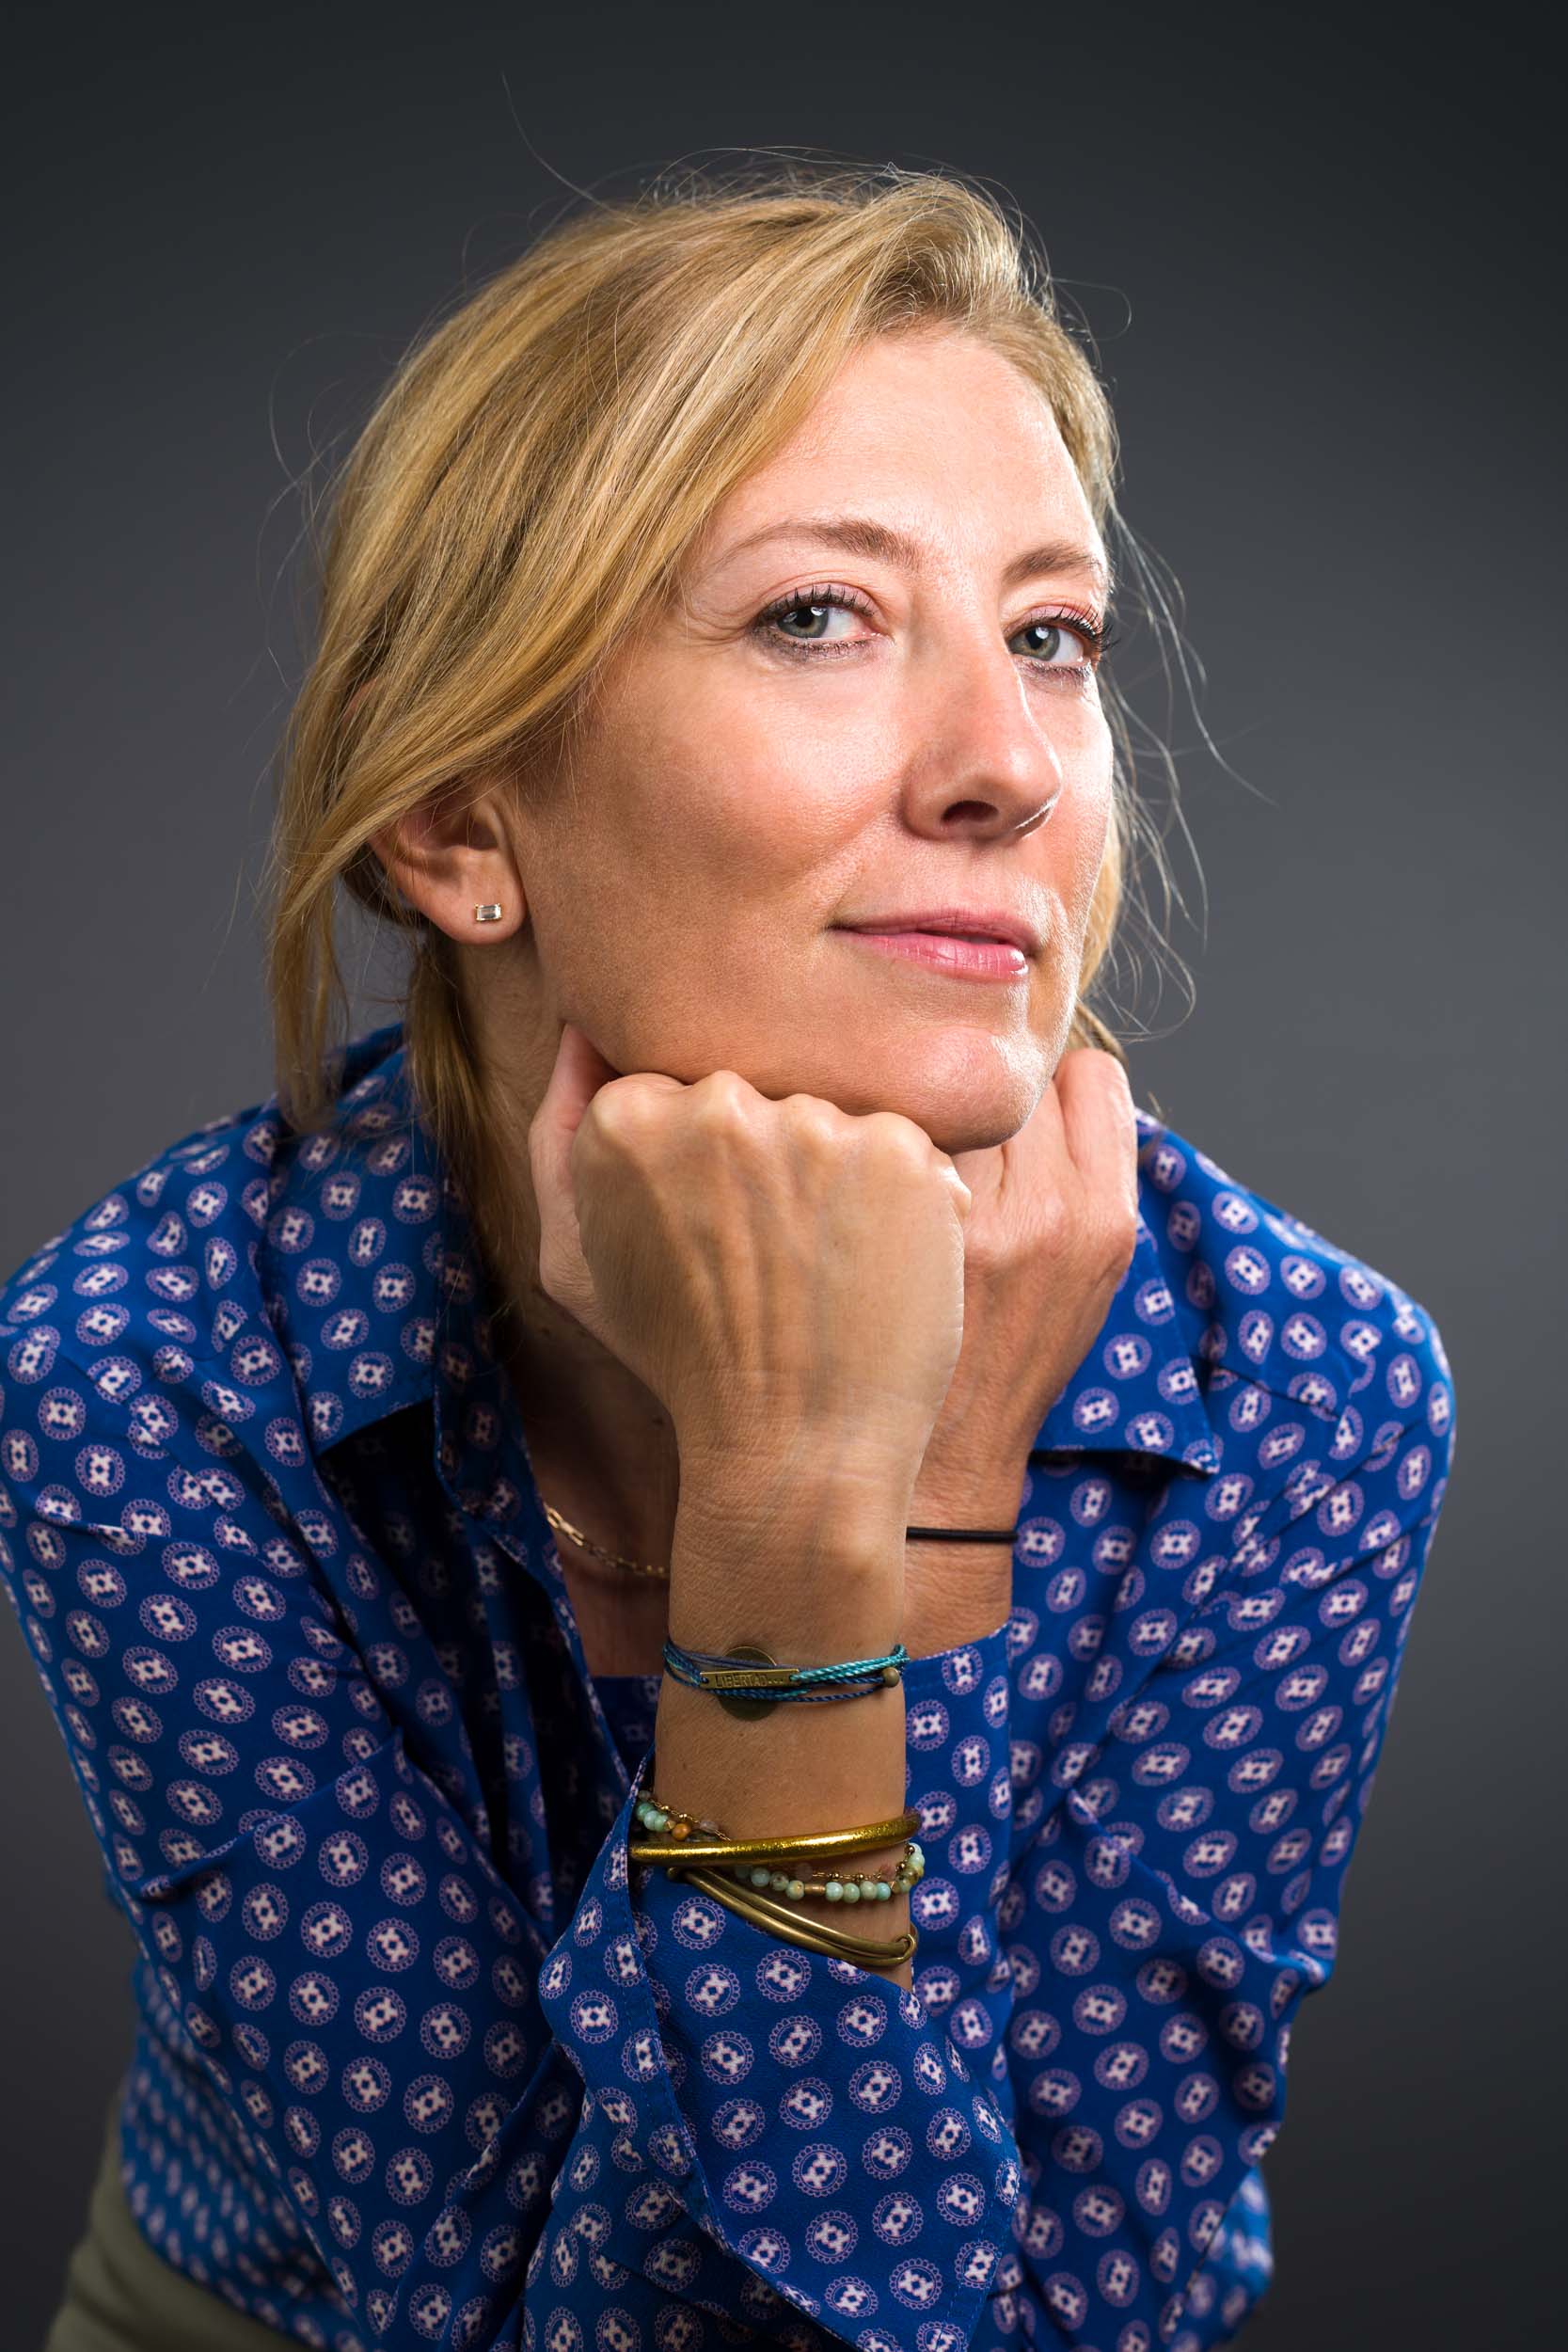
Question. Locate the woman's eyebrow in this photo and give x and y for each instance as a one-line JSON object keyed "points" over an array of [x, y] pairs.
{"points": [[862, 534]]}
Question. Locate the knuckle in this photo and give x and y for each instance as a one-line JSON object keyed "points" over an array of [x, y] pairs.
{"points": [[622, 1118], [900, 1141], [720, 1099], [612, 1107], [604, 1119], [811, 1120]]}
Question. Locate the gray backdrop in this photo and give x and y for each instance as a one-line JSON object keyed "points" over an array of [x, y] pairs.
{"points": [[1315, 252]]}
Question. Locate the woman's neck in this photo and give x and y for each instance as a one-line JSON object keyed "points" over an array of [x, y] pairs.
{"points": [[604, 1455]]}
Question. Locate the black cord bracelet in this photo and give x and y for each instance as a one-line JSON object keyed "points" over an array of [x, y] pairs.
{"points": [[967, 1534]]}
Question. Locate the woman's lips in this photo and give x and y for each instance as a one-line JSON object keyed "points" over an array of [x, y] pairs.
{"points": [[946, 952]]}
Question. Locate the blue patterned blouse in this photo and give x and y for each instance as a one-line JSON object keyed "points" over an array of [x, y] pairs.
{"points": [[417, 2063]]}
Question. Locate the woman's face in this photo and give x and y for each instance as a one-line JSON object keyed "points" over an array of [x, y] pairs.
{"points": [[748, 787]]}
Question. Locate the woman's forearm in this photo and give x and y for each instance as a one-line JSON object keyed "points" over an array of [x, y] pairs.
{"points": [[810, 1570]]}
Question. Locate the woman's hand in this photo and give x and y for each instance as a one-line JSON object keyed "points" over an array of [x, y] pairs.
{"points": [[787, 1278], [1050, 1234]]}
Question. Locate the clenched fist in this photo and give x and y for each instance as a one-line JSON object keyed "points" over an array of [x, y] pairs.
{"points": [[780, 1275]]}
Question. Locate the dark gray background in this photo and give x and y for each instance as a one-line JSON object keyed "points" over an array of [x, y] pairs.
{"points": [[1315, 250]]}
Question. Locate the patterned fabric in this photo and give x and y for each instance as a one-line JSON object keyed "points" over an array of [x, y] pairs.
{"points": [[417, 2064]]}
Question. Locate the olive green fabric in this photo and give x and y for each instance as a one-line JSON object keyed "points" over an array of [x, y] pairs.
{"points": [[122, 2297]]}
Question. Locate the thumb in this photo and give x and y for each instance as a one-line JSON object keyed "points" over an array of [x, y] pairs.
{"points": [[580, 1069]]}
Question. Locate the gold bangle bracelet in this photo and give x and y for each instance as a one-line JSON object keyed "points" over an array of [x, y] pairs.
{"points": [[825, 1843], [784, 1921]]}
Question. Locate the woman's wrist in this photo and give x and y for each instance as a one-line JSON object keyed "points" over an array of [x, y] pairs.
{"points": [[958, 1593], [810, 1570]]}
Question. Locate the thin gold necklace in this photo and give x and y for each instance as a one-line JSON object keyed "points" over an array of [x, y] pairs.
{"points": [[615, 1559]]}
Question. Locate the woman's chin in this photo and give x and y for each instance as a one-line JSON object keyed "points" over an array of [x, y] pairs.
{"points": [[966, 1092]]}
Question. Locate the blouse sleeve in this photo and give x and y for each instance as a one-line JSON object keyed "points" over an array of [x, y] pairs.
{"points": [[1182, 1896], [487, 2140], [353, 1975]]}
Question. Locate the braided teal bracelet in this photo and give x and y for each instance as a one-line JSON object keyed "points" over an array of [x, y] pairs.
{"points": [[755, 1679]]}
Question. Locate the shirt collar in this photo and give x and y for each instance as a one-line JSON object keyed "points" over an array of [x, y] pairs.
{"points": [[386, 1217], [1137, 1391]]}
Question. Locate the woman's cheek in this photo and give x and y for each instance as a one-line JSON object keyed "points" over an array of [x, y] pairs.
{"points": [[1088, 831]]}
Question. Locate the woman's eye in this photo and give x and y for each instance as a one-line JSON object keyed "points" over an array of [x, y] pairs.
{"points": [[815, 610], [1060, 638]]}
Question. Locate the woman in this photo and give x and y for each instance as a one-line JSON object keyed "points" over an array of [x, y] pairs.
{"points": [[743, 1258]]}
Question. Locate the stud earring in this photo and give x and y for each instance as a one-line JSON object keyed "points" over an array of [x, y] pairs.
{"points": [[487, 915]]}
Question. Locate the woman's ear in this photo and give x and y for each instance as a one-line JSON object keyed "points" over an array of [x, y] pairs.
{"points": [[451, 855]]}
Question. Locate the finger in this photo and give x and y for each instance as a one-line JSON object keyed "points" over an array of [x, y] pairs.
{"points": [[580, 1069], [1097, 1121], [1038, 1145]]}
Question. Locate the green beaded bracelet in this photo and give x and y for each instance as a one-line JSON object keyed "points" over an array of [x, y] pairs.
{"points": [[875, 1886], [841, 1886]]}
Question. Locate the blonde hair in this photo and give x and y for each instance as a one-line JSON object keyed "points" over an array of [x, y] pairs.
{"points": [[533, 474]]}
